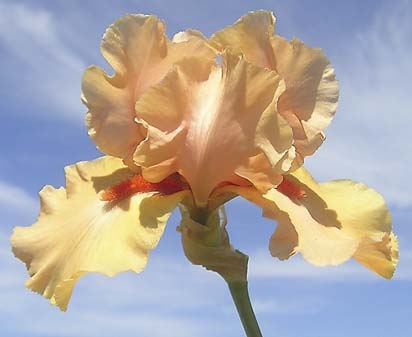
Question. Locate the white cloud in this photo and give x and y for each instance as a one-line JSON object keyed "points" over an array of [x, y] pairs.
{"points": [[120, 323], [369, 139], [38, 66], [13, 197], [263, 266], [294, 306]]}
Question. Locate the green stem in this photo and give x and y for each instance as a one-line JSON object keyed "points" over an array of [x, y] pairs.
{"points": [[240, 295]]}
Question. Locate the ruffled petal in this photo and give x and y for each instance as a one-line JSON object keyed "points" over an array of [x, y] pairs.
{"points": [[332, 223], [140, 53], [310, 100], [187, 35], [298, 231], [77, 232], [251, 34], [201, 111], [262, 174], [362, 214]]}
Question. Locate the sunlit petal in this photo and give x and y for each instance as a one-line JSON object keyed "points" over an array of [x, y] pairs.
{"points": [[188, 35], [262, 174], [330, 224], [140, 53], [362, 214], [205, 122], [251, 34], [320, 244], [77, 232], [310, 99]]}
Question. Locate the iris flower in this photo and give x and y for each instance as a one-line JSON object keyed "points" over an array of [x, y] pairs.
{"points": [[194, 122]]}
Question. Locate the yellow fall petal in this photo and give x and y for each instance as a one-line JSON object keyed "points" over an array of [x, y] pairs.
{"points": [[363, 215], [298, 231], [76, 232], [140, 53], [201, 111], [334, 222], [310, 99]]}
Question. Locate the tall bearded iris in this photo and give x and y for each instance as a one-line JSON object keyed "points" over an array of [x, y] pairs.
{"points": [[181, 129]]}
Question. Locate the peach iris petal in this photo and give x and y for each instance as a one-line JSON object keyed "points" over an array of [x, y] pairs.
{"points": [[259, 171], [310, 99], [77, 232], [140, 53], [251, 34], [188, 35], [205, 122], [334, 222]]}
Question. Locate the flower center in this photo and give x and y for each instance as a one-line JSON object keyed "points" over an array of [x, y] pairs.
{"points": [[290, 189], [137, 184]]}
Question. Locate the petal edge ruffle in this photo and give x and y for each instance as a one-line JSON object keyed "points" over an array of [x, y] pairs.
{"points": [[76, 232], [334, 222], [310, 99], [141, 55], [200, 111]]}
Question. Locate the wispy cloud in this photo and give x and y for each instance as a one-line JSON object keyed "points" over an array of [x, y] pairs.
{"points": [[263, 266], [36, 61], [369, 139], [16, 198], [301, 306]]}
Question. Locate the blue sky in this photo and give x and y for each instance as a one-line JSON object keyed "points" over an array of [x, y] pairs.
{"points": [[44, 48]]}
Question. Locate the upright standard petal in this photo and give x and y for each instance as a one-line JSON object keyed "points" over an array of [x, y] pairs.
{"points": [[251, 34], [310, 99], [77, 232], [329, 223], [201, 111], [140, 53]]}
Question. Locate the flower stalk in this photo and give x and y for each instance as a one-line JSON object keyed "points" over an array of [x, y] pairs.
{"points": [[240, 296]]}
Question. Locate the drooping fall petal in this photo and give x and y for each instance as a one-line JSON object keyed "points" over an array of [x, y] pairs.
{"points": [[140, 53], [77, 232], [298, 231], [310, 99], [205, 122], [330, 224], [362, 214]]}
